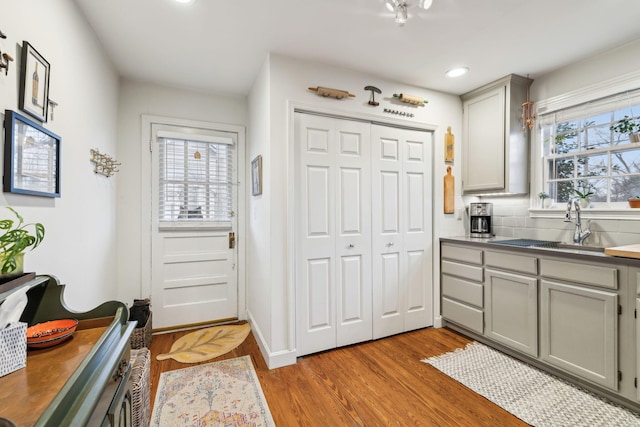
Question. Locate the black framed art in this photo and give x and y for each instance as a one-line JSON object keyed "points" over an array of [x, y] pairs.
{"points": [[34, 83], [31, 157]]}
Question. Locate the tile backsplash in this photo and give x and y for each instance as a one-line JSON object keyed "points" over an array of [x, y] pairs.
{"points": [[511, 218]]}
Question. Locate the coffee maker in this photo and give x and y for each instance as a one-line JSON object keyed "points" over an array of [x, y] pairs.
{"points": [[480, 220]]}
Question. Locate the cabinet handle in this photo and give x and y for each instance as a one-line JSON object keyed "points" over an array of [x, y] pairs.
{"points": [[351, 246]]}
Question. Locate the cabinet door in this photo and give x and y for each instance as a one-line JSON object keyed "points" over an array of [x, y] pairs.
{"points": [[579, 331], [401, 225], [483, 166], [511, 310], [333, 233]]}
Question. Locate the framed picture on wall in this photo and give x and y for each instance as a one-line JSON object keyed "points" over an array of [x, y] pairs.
{"points": [[31, 157], [34, 83], [256, 176]]}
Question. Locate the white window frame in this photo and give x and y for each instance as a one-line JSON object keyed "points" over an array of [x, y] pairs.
{"points": [[627, 82]]}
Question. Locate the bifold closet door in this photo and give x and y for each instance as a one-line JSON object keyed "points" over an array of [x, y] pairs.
{"points": [[401, 230], [333, 232]]}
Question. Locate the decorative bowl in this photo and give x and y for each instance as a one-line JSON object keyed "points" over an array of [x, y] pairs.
{"points": [[50, 342], [48, 331]]}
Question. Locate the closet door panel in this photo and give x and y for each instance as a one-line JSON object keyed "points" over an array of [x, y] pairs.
{"points": [[333, 233], [402, 225], [315, 235], [353, 238]]}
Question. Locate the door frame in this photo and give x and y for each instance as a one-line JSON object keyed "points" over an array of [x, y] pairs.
{"points": [[297, 107], [146, 142]]}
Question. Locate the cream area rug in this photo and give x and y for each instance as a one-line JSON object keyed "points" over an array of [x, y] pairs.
{"points": [[225, 393], [206, 344], [530, 394]]}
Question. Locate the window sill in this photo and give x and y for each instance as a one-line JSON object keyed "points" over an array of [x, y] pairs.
{"points": [[590, 213]]}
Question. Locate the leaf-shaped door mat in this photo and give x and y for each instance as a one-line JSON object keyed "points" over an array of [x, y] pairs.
{"points": [[205, 344]]}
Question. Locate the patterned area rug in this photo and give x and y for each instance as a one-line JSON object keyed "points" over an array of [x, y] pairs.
{"points": [[225, 393], [528, 393], [206, 344]]}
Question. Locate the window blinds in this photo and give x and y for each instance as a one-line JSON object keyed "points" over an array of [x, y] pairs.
{"points": [[196, 177], [628, 101]]}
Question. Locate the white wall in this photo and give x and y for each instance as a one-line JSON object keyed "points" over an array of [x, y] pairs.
{"points": [[79, 245], [136, 99], [287, 82]]}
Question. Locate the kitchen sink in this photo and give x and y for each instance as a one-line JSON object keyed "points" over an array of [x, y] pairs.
{"points": [[549, 244], [527, 243]]}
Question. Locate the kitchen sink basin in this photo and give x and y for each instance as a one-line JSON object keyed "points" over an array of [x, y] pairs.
{"points": [[527, 243], [550, 244]]}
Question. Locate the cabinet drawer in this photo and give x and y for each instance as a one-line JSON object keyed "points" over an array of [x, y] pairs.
{"points": [[588, 274], [463, 315], [462, 290], [513, 262], [462, 270], [458, 253]]}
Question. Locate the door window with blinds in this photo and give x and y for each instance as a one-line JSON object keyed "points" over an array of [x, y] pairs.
{"points": [[195, 179], [584, 152]]}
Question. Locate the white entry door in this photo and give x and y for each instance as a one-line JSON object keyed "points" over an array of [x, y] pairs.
{"points": [[402, 230], [194, 276], [333, 232]]}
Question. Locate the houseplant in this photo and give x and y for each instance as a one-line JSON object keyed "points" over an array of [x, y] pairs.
{"points": [[15, 239], [634, 202], [544, 200], [628, 126], [583, 193]]}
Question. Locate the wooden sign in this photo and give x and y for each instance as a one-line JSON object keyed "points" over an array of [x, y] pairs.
{"points": [[448, 146], [449, 192]]}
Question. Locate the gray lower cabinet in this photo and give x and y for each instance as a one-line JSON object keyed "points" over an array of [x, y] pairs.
{"points": [[579, 331], [511, 310], [462, 290]]}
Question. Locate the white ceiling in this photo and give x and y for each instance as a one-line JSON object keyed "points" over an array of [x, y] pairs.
{"points": [[217, 46]]}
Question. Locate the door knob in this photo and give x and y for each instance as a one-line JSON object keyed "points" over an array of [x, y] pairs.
{"points": [[351, 246], [390, 244]]}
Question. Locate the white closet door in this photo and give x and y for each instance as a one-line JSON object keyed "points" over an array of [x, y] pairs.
{"points": [[333, 233], [401, 230]]}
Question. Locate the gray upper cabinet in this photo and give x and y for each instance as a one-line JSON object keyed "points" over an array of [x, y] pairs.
{"points": [[495, 149]]}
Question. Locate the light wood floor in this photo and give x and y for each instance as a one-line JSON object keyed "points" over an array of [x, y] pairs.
{"points": [[378, 383]]}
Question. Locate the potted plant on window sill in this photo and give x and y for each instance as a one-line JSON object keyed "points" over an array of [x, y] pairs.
{"points": [[584, 197], [15, 239], [545, 201], [634, 202], [628, 126]]}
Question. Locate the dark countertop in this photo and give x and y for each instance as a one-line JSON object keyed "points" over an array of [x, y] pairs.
{"points": [[585, 252]]}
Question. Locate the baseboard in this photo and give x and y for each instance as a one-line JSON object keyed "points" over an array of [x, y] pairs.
{"points": [[438, 322], [272, 359]]}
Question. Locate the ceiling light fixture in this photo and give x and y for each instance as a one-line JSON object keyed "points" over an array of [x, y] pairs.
{"points": [[185, 1], [400, 8], [457, 72]]}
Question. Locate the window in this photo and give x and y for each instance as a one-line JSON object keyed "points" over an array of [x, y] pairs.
{"points": [[583, 153], [196, 179]]}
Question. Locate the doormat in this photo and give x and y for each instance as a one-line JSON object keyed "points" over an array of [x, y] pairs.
{"points": [[206, 344], [537, 398], [225, 393]]}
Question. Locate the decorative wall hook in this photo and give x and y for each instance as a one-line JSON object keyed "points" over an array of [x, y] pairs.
{"points": [[52, 105], [399, 113], [372, 99], [333, 93], [104, 164], [4, 62]]}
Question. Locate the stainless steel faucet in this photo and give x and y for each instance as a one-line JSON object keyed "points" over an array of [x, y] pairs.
{"points": [[579, 235]]}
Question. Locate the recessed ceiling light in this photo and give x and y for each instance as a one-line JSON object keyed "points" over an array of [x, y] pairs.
{"points": [[185, 1], [457, 72]]}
